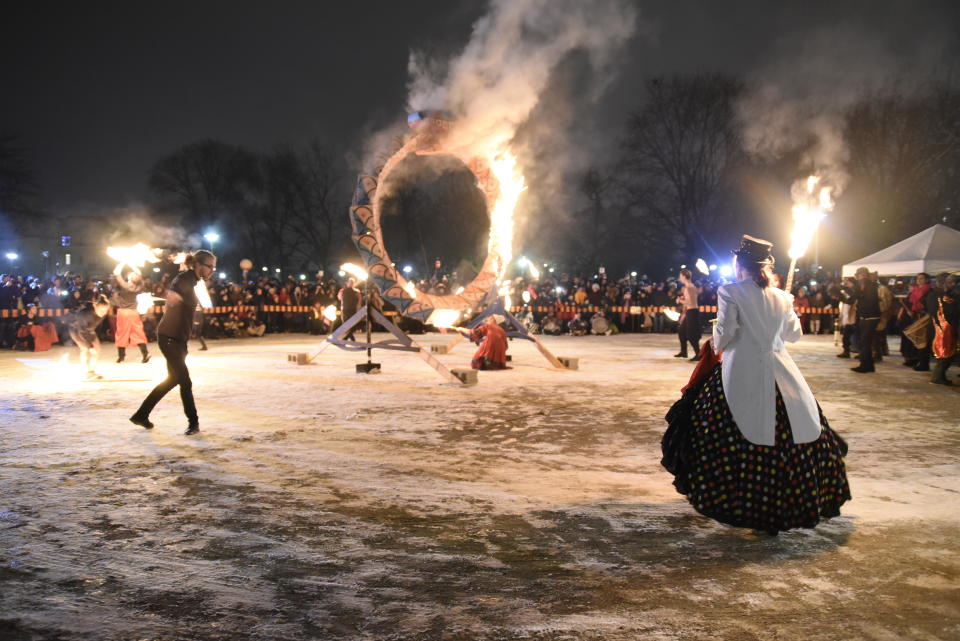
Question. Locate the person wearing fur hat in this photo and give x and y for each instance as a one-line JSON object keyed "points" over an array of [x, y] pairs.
{"points": [[747, 443], [867, 298]]}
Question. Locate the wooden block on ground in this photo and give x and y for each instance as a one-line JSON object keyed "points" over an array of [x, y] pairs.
{"points": [[300, 358], [438, 349], [569, 363], [466, 376]]}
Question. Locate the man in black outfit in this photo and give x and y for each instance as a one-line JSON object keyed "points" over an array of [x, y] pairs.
{"points": [[173, 332], [867, 298]]}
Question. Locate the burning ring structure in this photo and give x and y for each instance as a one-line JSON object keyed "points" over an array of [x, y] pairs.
{"points": [[429, 135]]}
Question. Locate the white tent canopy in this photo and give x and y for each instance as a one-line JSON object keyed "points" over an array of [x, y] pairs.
{"points": [[932, 251]]}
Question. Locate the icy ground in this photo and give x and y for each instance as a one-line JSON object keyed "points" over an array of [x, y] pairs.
{"points": [[321, 504]]}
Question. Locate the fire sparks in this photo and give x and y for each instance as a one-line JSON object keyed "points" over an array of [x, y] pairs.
{"points": [[135, 256], [444, 317], [810, 207]]}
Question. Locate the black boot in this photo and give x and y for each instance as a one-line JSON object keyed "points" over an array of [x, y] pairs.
{"points": [[121, 354], [143, 353]]}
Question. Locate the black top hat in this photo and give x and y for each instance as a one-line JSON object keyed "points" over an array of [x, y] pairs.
{"points": [[754, 250]]}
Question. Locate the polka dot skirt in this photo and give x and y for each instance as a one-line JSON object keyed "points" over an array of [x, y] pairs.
{"points": [[768, 488]]}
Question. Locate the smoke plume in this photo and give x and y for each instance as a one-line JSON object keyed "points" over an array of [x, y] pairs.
{"points": [[498, 79], [798, 101]]}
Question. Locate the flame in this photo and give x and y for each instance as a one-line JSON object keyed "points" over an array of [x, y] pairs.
{"points": [[330, 312], [526, 296], [135, 256], [354, 270], [411, 289], [672, 314], [181, 257], [203, 295], [443, 317], [504, 167], [810, 207], [144, 302], [534, 272], [459, 290], [702, 266]]}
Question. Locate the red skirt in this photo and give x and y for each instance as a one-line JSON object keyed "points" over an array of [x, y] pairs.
{"points": [[129, 328]]}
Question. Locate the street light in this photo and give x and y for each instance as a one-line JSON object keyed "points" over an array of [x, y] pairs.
{"points": [[211, 237]]}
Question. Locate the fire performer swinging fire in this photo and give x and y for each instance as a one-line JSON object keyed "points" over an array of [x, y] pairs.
{"points": [[492, 353], [83, 331], [129, 324], [172, 336]]}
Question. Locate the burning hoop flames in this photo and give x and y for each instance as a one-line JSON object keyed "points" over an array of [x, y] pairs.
{"points": [[504, 167], [810, 207]]}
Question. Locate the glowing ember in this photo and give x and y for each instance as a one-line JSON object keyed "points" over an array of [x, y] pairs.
{"points": [[135, 256], [444, 317], [330, 312], [354, 270]]}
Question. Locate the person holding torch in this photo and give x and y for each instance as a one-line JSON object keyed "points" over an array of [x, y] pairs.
{"points": [[173, 332], [129, 323]]}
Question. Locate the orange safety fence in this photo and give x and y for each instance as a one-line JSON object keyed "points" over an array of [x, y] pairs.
{"points": [[304, 309]]}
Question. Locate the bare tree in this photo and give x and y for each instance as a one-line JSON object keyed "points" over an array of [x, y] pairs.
{"points": [[680, 147], [207, 180], [903, 161], [18, 182]]}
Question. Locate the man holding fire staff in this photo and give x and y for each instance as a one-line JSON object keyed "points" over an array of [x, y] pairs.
{"points": [[172, 336], [129, 323]]}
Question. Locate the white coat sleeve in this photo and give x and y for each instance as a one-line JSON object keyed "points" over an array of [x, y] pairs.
{"points": [[792, 330], [728, 320]]}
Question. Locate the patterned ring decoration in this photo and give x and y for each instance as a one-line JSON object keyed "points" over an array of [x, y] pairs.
{"points": [[427, 137]]}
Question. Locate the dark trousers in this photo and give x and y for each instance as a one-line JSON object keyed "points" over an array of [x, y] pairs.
{"points": [[177, 374], [846, 337], [689, 331], [868, 330]]}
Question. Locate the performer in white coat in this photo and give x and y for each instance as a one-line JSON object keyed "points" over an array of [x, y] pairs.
{"points": [[748, 444]]}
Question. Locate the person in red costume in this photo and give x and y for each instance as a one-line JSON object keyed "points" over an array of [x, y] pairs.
{"points": [[492, 353]]}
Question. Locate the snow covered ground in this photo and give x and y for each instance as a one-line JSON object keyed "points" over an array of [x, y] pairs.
{"points": [[317, 503]]}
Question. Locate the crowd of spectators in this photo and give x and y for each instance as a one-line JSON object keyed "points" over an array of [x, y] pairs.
{"points": [[551, 304]]}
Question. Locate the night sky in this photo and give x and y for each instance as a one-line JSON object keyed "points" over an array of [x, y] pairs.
{"points": [[97, 91]]}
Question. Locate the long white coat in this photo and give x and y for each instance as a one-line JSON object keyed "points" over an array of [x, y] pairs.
{"points": [[752, 325]]}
